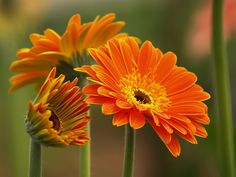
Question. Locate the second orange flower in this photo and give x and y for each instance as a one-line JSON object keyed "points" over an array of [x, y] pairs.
{"points": [[139, 84], [49, 49]]}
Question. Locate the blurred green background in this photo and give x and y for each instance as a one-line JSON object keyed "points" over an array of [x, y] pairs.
{"points": [[164, 22]]}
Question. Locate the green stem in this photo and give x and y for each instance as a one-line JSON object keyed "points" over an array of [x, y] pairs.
{"points": [[35, 159], [85, 150], [85, 167], [225, 126], [129, 151]]}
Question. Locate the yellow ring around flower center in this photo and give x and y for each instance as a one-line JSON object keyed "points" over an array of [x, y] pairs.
{"points": [[144, 92]]}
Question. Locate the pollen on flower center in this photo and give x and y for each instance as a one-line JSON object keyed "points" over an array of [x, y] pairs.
{"points": [[55, 120], [142, 97], [144, 91]]}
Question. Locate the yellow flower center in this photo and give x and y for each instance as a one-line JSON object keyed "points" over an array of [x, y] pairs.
{"points": [[144, 92]]}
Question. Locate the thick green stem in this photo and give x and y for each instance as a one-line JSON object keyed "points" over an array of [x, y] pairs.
{"points": [[85, 167], [85, 150], [35, 159], [225, 125], [129, 151]]}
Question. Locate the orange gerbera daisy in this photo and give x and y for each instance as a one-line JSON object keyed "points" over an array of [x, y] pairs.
{"points": [[58, 115], [141, 83], [50, 49]]}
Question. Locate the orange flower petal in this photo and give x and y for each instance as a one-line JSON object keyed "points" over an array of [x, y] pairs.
{"points": [[29, 64], [109, 108], [165, 66], [127, 53], [134, 48], [120, 118], [144, 58], [181, 118], [189, 96], [179, 84], [24, 53], [108, 32], [175, 126], [161, 132], [187, 110], [104, 91], [136, 119], [87, 69], [91, 89], [21, 80], [96, 99], [123, 104], [203, 119], [75, 19], [188, 137], [108, 64], [167, 127], [116, 56], [52, 35], [200, 130], [156, 118], [107, 80], [174, 146]]}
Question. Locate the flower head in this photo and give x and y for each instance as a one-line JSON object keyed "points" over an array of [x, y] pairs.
{"points": [[139, 84], [58, 115], [50, 49]]}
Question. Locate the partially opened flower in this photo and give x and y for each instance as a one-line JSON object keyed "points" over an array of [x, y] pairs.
{"points": [[139, 84], [50, 49], [58, 115]]}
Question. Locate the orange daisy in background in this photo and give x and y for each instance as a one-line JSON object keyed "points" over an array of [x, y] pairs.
{"points": [[139, 84], [199, 37], [58, 115], [50, 49]]}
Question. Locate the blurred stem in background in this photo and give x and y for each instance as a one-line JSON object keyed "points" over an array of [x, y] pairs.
{"points": [[35, 159], [13, 106], [19, 139], [224, 107], [129, 151]]}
